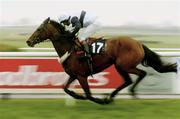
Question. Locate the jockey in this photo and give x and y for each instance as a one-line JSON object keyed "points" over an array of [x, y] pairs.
{"points": [[84, 26]]}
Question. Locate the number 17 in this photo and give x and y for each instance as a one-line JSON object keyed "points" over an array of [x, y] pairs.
{"points": [[97, 47]]}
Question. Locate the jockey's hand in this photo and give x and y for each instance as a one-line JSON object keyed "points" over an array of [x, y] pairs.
{"points": [[69, 28], [65, 22]]}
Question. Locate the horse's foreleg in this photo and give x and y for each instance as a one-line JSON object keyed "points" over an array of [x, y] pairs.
{"points": [[141, 75], [84, 84], [72, 93]]}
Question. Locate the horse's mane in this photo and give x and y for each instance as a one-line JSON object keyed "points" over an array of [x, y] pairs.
{"points": [[58, 25]]}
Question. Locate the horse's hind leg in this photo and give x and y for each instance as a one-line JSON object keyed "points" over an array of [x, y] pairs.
{"points": [[73, 94], [141, 74], [127, 82]]}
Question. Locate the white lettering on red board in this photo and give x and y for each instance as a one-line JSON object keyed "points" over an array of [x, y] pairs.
{"points": [[28, 75]]}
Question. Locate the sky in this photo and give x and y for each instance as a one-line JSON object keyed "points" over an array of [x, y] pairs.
{"points": [[109, 12]]}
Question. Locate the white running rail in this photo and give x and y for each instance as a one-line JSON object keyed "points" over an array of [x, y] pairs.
{"points": [[54, 54]]}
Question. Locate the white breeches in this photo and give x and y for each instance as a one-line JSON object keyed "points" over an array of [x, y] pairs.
{"points": [[86, 32]]}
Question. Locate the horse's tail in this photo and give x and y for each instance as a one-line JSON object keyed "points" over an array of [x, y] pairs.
{"points": [[152, 59]]}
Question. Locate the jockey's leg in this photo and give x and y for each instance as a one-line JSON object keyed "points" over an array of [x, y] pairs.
{"points": [[87, 50], [83, 35], [89, 30], [88, 56]]}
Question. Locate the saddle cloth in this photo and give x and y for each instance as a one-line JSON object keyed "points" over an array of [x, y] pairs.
{"points": [[96, 46]]}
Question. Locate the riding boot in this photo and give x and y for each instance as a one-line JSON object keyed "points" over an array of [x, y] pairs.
{"points": [[88, 56], [87, 51]]}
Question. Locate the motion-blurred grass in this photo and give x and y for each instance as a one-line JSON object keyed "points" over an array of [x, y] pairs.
{"points": [[6, 47], [121, 109], [16, 37]]}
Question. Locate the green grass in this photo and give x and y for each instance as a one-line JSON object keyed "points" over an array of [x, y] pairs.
{"points": [[5, 48], [121, 109], [15, 37]]}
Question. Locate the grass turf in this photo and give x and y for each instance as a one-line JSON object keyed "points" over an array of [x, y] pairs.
{"points": [[121, 109]]}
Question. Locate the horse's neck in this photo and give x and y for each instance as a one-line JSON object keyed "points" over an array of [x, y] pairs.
{"points": [[62, 47]]}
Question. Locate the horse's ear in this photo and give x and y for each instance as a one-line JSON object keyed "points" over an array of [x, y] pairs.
{"points": [[69, 18], [47, 20]]}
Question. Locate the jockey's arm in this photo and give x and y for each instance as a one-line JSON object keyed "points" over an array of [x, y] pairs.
{"points": [[76, 29], [76, 24]]}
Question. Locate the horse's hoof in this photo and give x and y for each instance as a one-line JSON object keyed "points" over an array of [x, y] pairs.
{"points": [[134, 95], [108, 100]]}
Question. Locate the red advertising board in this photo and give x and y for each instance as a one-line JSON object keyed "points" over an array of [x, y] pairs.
{"points": [[48, 73]]}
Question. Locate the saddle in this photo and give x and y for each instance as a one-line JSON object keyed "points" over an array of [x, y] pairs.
{"points": [[96, 46]]}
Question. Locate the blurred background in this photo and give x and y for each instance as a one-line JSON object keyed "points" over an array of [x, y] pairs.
{"points": [[27, 75], [154, 22]]}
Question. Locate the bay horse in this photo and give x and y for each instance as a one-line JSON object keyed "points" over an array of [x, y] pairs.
{"points": [[124, 52]]}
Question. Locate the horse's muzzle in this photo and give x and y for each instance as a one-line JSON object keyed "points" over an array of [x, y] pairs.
{"points": [[30, 44]]}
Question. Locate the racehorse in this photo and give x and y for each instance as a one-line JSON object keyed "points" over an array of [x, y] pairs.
{"points": [[124, 52]]}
